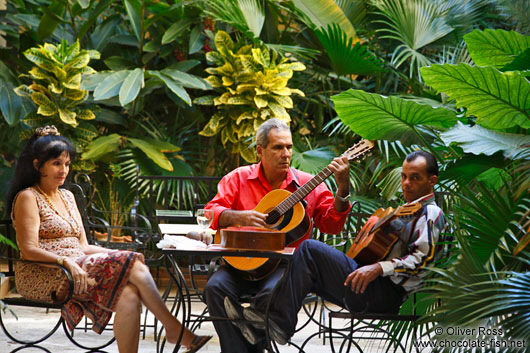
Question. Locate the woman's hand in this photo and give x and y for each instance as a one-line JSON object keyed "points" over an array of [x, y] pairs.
{"points": [[79, 275]]}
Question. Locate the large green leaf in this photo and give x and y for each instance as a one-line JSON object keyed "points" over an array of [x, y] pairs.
{"points": [[102, 146], [173, 86], [325, 12], [50, 19], [520, 62], [175, 30], [478, 140], [345, 57], [465, 169], [10, 103], [131, 86], [187, 80], [152, 152], [495, 47], [110, 86], [498, 100], [312, 161], [388, 118], [134, 12], [110, 117]]}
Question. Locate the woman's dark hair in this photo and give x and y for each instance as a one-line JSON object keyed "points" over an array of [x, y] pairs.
{"points": [[41, 148]]}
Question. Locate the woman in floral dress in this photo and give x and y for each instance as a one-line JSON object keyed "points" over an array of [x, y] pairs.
{"points": [[49, 229]]}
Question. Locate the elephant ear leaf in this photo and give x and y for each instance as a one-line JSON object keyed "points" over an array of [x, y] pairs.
{"points": [[102, 146], [376, 117], [153, 152], [499, 101], [478, 140], [495, 47]]}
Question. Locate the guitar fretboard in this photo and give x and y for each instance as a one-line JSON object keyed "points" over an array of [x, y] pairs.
{"points": [[303, 191]]}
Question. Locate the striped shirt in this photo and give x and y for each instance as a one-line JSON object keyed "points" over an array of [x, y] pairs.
{"points": [[416, 247]]}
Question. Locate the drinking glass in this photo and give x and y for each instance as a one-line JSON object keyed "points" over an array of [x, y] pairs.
{"points": [[204, 218]]}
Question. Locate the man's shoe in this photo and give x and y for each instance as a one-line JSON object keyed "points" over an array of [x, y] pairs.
{"points": [[257, 319], [235, 313]]}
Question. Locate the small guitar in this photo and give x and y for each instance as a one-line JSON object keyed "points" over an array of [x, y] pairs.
{"points": [[380, 233], [286, 213]]}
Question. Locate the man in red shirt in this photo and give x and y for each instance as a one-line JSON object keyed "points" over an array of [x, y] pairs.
{"points": [[238, 194]]}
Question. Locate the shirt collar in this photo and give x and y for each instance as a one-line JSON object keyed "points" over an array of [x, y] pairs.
{"points": [[257, 173]]}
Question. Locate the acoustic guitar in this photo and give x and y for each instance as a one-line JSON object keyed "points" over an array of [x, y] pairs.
{"points": [[380, 233], [286, 213]]}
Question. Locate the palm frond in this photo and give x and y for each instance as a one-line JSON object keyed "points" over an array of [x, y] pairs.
{"points": [[245, 15], [346, 57], [415, 24]]}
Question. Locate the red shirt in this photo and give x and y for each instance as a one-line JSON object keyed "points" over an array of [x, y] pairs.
{"points": [[244, 187]]}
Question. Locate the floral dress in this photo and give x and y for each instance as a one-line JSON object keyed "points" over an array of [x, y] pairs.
{"points": [[108, 273]]}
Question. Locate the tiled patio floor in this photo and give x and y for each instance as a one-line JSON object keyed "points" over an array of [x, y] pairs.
{"points": [[31, 321]]}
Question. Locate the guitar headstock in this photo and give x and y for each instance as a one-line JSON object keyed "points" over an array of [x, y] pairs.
{"points": [[358, 149], [408, 209]]}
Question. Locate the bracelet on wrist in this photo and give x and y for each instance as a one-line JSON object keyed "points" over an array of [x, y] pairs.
{"points": [[60, 260], [344, 199]]}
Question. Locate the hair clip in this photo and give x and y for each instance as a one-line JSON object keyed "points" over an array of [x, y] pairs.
{"points": [[47, 130]]}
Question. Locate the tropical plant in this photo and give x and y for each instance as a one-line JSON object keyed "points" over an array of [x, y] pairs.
{"points": [[485, 162], [56, 88], [418, 24], [252, 84]]}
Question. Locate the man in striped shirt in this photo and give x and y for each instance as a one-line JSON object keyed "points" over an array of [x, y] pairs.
{"points": [[377, 288]]}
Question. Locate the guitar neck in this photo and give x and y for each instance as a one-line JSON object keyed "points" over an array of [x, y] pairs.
{"points": [[303, 191]]}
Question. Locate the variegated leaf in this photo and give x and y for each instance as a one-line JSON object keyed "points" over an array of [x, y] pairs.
{"points": [[204, 100], [78, 62], [75, 94], [223, 40], [68, 117], [73, 82], [40, 99], [279, 111], [295, 66], [39, 74], [23, 91], [212, 128], [214, 81], [260, 102], [34, 120], [85, 114], [284, 101], [46, 110], [227, 81], [282, 91]]}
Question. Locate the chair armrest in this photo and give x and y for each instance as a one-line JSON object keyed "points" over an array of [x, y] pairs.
{"points": [[52, 264]]}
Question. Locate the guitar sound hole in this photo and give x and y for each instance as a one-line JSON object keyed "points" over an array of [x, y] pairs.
{"points": [[272, 217]]}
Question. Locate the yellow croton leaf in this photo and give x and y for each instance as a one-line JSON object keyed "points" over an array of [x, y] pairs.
{"points": [[297, 91], [46, 110], [78, 62], [244, 116], [284, 101], [214, 81], [39, 74], [55, 88], [73, 82], [282, 91], [85, 114], [227, 81], [260, 102], [75, 94], [68, 117], [212, 127], [279, 111], [40, 98]]}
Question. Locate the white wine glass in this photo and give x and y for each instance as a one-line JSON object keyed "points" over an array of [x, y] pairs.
{"points": [[204, 218]]}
